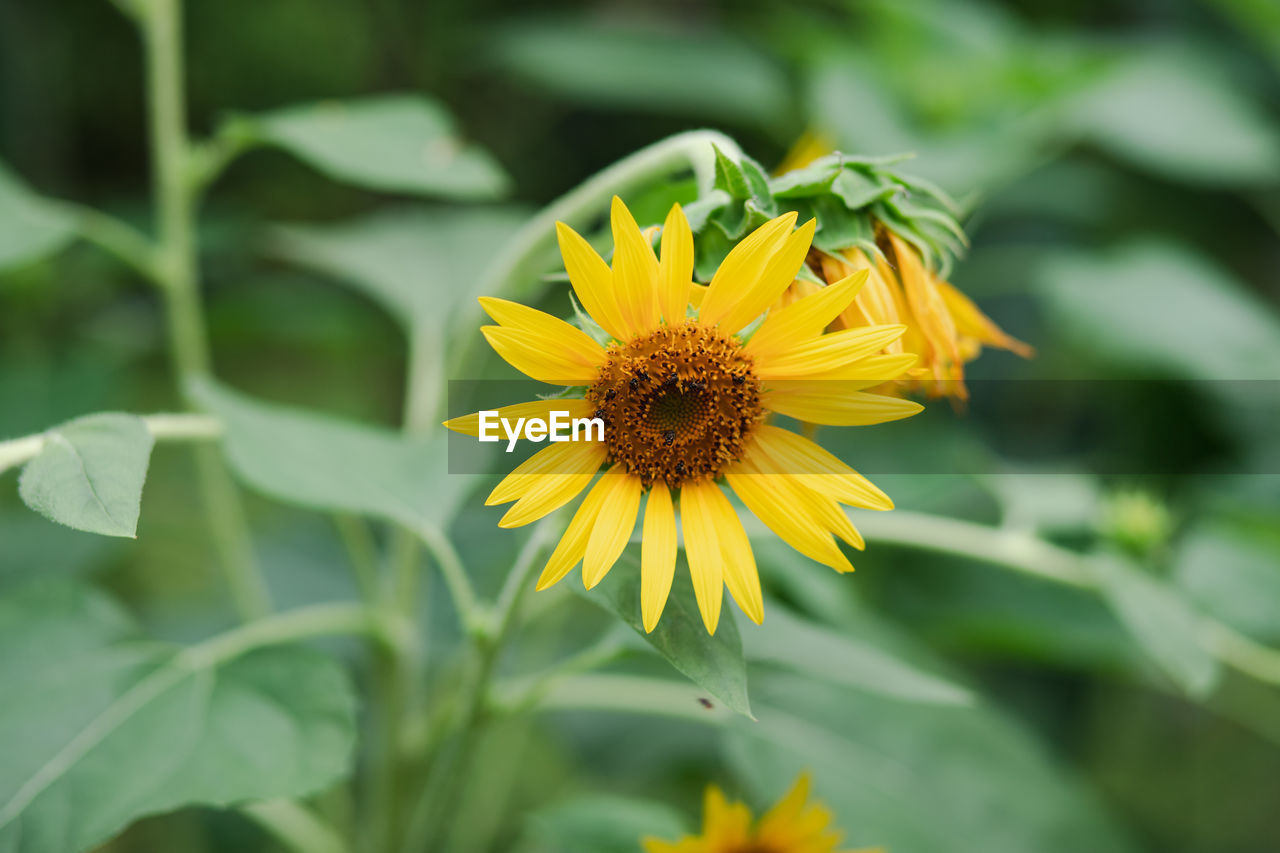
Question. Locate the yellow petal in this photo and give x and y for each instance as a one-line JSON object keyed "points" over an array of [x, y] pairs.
{"points": [[572, 341], [741, 267], [875, 304], [804, 319], [828, 352], [925, 301], [863, 373], [635, 272], [778, 273], [545, 494], [740, 573], [570, 457], [675, 268], [702, 547], [592, 281], [540, 409], [535, 357], [829, 405], [971, 321], [657, 555], [814, 467], [774, 500], [573, 544], [617, 518], [786, 813]]}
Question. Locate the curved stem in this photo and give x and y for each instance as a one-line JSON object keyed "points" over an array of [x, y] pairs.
{"points": [[295, 827], [17, 451], [317, 620]]}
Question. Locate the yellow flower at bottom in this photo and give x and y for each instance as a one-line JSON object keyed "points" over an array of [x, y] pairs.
{"points": [[794, 825], [685, 395]]}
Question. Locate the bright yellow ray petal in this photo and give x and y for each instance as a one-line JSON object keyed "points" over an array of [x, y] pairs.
{"points": [[545, 494], [592, 281], [804, 319], [741, 267], [702, 547], [778, 273], [774, 501], [832, 406], [863, 373], [828, 352], [787, 810], [675, 267], [970, 321], [569, 457], [740, 573], [541, 409], [635, 271], [532, 355], [657, 555], [573, 544], [818, 469], [570, 340], [614, 524]]}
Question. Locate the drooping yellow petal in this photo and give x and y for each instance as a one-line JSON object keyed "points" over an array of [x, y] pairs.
{"points": [[573, 544], [569, 457], [817, 468], [742, 267], [830, 405], [535, 357], [778, 273], [635, 272], [804, 319], [828, 352], [774, 500], [539, 409], [970, 321], [926, 303], [574, 343], [592, 281], [657, 555], [740, 573], [675, 267], [702, 548], [614, 523]]}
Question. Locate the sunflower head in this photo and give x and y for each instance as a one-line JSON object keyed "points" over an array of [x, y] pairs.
{"points": [[794, 825], [686, 379]]}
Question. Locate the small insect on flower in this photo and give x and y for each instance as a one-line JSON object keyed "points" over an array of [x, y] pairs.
{"points": [[676, 443], [794, 825]]}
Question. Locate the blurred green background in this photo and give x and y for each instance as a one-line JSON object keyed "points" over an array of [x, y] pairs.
{"points": [[1122, 162]]}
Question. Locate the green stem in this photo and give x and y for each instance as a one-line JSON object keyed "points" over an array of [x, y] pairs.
{"points": [[188, 427], [295, 827], [317, 620], [632, 694], [456, 579], [361, 550], [161, 22]]}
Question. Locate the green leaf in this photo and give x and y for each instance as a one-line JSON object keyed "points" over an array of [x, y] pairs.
{"points": [[912, 776], [324, 463], [858, 189], [805, 647], [1174, 111], [1207, 325], [713, 662], [730, 177], [392, 143], [89, 474], [703, 75], [419, 264], [31, 227], [814, 179], [99, 725], [1234, 575], [1162, 623], [601, 824]]}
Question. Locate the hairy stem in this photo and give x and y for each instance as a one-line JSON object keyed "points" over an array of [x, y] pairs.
{"points": [[190, 427]]}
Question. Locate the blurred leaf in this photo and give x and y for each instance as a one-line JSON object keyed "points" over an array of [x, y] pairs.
{"points": [[31, 227], [601, 824], [324, 463], [105, 727], [89, 474], [1161, 621], [807, 648], [1048, 501], [35, 548], [392, 143], [915, 777], [713, 662], [1173, 111], [419, 264], [708, 75], [1157, 306], [1233, 575]]}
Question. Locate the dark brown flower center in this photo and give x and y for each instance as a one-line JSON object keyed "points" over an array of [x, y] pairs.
{"points": [[678, 404]]}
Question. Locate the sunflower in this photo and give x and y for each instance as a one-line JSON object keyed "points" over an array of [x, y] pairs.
{"points": [[686, 393], [794, 825]]}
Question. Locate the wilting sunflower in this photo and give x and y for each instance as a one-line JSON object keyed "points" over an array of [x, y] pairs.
{"points": [[686, 395], [794, 825]]}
